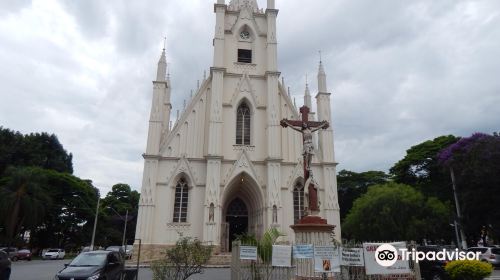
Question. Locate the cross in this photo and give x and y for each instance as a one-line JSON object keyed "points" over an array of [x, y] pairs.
{"points": [[306, 128]]}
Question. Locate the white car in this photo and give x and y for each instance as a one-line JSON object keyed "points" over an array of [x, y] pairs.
{"points": [[54, 254]]}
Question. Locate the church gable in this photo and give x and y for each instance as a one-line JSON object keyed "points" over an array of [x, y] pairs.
{"points": [[242, 165], [244, 90], [183, 167], [246, 16], [297, 173]]}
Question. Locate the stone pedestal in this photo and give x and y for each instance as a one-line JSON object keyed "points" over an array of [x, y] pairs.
{"points": [[316, 231]]}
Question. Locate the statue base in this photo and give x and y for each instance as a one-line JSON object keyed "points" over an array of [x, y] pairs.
{"points": [[316, 231]]}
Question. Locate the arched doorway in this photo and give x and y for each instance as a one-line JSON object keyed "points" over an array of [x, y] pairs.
{"points": [[237, 219], [242, 210]]}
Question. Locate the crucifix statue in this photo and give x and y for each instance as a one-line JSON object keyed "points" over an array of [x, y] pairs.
{"points": [[307, 128]]}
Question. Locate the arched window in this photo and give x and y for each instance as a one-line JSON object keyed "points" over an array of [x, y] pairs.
{"points": [[181, 201], [243, 125], [298, 202]]}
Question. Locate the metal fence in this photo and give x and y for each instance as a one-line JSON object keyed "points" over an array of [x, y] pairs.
{"points": [[261, 269]]}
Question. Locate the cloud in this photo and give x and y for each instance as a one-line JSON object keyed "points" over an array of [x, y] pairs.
{"points": [[399, 72]]}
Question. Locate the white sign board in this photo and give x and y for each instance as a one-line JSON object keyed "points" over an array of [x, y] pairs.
{"points": [[248, 253], [352, 257], [326, 259], [372, 266], [282, 256], [303, 251]]}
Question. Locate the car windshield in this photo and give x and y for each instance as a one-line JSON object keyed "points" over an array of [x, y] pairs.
{"points": [[53, 251], [89, 259]]}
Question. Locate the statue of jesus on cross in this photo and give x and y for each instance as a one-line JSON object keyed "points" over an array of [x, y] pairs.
{"points": [[307, 128]]}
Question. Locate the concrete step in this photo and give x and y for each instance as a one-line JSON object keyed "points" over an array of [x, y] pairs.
{"points": [[222, 259]]}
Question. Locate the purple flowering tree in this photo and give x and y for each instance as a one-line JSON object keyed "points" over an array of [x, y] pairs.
{"points": [[476, 164]]}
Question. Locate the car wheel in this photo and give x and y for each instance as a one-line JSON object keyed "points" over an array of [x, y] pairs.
{"points": [[14, 259]]}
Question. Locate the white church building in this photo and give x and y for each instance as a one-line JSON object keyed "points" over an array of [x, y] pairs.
{"points": [[227, 167]]}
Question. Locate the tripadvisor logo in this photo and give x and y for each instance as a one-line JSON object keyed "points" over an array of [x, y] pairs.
{"points": [[387, 255]]}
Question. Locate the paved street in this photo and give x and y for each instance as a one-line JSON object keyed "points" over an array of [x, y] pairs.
{"points": [[45, 270], [495, 275]]}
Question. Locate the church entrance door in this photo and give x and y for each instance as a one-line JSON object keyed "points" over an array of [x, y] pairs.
{"points": [[237, 219]]}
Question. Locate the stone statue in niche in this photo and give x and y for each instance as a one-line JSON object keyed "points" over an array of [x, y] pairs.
{"points": [[211, 213]]}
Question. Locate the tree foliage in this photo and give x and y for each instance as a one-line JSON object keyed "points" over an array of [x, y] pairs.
{"points": [[185, 259], [420, 168], [36, 149], [396, 212], [476, 164], [39, 195], [117, 202], [352, 185]]}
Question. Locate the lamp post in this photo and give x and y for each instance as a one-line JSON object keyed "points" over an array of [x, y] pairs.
{"points": [[458, 224], [95, 219], [95, 224], [124, 226]]}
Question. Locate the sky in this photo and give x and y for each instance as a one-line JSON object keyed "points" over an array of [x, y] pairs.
{"points": [[400, 72]]}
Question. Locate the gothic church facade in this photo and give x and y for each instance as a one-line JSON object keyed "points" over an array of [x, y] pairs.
{"points": [[227, 166]]}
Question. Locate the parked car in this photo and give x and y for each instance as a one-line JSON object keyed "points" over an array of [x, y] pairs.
{"points": [[24, 254], [95, 265], [118, 249], [54, 254], [129, 249], [11, 252], [488, 254], [432, 270], [4, 266]]}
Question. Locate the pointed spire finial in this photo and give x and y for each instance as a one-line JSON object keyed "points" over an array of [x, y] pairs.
{"points": [[320, 60], [306, 80], [164, 43], [161, 71]]}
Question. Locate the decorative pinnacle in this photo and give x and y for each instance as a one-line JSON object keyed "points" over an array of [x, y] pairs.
{"points": [[320, 60], [164, 43]]}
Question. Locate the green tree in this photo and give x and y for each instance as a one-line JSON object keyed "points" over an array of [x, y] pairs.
{"points": [[68, 220], [420, 168], [22, 199], [352, 185], [476, 164], [36, 149], [121, 198], [397, 212]]}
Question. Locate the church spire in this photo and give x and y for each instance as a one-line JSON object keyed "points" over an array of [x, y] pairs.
{"points": [[307, 97], [321, 77], [161, 72]]}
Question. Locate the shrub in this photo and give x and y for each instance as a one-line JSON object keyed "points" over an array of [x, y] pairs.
{"points": [[187, 258], [468, 270]]}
